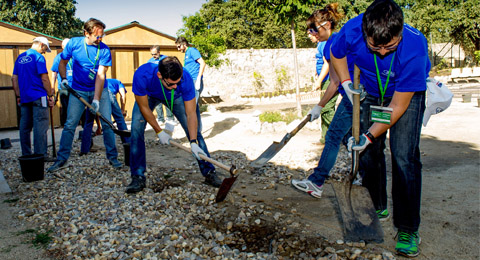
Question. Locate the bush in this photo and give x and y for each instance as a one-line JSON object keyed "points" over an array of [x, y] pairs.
{"points": [[270, 117]]}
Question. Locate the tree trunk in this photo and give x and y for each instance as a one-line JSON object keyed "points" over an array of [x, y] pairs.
{"points": [[297, 84]]}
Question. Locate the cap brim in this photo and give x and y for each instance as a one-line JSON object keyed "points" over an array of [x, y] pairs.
{"points": [[426, 117]]}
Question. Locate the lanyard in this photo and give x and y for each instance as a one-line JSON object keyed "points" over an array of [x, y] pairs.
{"points": [[171, 98], [96, 58], [69, 64], [383, 89]]}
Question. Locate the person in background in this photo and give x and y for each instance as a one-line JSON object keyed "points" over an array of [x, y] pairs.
{"points": [[322, 70], [34, 95], [193, 63], [169, 84], [63, 93], [321, 25], [162, 110], [91, 59], [393, 59]]}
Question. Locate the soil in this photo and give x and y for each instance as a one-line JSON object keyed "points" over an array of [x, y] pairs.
{"points": [[450, 152]]}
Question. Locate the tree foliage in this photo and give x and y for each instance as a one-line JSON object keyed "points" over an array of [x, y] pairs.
{"points": [[51, 17]]}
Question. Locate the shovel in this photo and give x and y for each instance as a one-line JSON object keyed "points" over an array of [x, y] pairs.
{"points": [[360, 221], [227, 182], [274, 148], [122, 133], [52, 129]]}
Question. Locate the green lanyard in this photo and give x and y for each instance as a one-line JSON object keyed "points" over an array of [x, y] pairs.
{"points": [[383, 89], [69, 64], [171, 99], [96, 58]]}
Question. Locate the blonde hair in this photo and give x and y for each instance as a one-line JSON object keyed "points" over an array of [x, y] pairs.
{"points": [[330, 13]]}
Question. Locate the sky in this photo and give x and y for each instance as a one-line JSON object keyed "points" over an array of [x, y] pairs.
{"points": [[161, 15]]}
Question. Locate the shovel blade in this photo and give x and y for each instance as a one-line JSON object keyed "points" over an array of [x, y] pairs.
{"points": [[122, 133], [268, 154], [225, 188], [360, 221]]}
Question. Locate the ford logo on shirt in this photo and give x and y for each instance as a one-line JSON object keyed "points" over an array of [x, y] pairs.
{"points": [[25, 59]]}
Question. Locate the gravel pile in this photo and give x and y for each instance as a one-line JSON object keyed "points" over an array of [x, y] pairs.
{"points": [[90, 216]]}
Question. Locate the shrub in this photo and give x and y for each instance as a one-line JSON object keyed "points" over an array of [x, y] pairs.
{"points": [[270, 117]]}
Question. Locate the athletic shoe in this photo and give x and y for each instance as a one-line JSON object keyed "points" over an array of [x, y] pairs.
{"points": [[115, 163], [407, 244], [212, 179], [308, 187], [57, 166], [383, 215]]}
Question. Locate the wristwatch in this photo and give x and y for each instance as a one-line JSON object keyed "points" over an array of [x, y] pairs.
{"points": [[194, 141], [370, 136]]}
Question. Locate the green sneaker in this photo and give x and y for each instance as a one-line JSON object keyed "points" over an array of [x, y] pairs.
{"points": [[407, 244], [383, 215]]}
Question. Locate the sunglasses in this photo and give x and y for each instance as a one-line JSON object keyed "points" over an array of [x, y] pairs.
{"points": [[315, 30], [168, 84], [390, 47], [100, 37]]}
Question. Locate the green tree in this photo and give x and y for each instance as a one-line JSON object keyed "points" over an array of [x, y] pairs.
{"points": [[51, 17]]}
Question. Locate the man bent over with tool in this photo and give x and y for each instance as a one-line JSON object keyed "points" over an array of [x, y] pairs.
{"points": [[169, 84]]}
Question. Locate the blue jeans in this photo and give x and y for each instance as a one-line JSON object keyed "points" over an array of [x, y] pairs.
{"points": [[75, 111], [406, 165], [33, 115], [138, 164], [118, 116], [339, 127]]}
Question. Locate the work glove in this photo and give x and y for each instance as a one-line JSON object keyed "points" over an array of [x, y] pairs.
{"points": [[197, 84], [315, 112], [64, 84], [164, 137], [95, 106], [196, 151], [363, 142], [348, 87], [169, 127]]}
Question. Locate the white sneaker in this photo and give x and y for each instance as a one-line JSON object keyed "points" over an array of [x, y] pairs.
{"points": [[308, 187]]}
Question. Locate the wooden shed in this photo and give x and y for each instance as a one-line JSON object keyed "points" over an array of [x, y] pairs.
{"points": [[130, 46], [15, 40]]}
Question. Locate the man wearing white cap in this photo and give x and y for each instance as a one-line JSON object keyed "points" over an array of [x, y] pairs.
{"points": [[34, 95]]}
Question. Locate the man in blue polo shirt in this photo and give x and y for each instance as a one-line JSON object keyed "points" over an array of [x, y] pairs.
{"points": [[34, 94], [63, 93], [91, 59], [193, 63], [394, 64], [157, 57], [169, 84]]}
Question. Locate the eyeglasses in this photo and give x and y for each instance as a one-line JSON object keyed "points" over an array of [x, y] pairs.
{"points": [[315, 30], [155, 54], [168, 84], [100, 37], [390, 47]]}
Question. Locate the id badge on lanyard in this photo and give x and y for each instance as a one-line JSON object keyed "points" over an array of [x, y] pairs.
{"points": [[92, 74], [381, 114]]}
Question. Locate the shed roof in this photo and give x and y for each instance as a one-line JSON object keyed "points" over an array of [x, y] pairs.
{"points": [[136, 34], [16, 35]]}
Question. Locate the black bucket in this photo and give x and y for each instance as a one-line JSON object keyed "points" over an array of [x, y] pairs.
{"points": [[5, 143], [32, 167], [126, 153]]}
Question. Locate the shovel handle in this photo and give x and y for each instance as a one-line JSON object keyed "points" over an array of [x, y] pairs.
{"points": [[231, 169], [356, 106], [301, 125]]}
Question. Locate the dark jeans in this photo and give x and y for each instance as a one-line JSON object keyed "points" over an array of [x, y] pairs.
{"points": [[341, 124], [406, 165], [33, 116], [64, 95], [138, 164]]}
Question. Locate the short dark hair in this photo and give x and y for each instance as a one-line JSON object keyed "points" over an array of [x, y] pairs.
{"points": [[382, 21], [92, 23], [181, 40], [170, 68], [156, 47]]}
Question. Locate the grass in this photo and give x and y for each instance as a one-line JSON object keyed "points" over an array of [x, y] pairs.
{"points": [[41, 239], [11, 200], [7, 249], [288, 116]]}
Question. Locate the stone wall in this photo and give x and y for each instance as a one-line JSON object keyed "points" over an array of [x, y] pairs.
{"points": [[235, 78]]}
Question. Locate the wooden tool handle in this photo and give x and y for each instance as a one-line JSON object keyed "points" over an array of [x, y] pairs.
{"points": [[301, 125], [356, 106], [232, 169]]}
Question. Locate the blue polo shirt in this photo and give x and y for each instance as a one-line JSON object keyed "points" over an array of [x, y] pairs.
{"points": [[152, 60], [84, 58], [28, 67], [114, 85], [319, 56], [54, 68], [411, 64], [191, 64], [146, 82]]}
